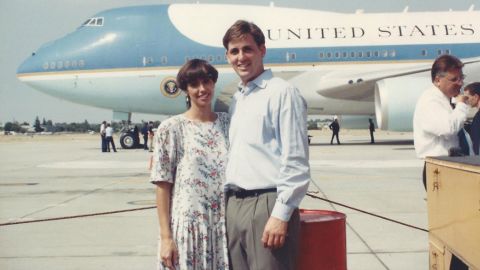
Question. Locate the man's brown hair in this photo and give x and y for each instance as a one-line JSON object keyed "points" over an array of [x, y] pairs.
{"points": [[473, 88], [444, 64], [240, 29]]}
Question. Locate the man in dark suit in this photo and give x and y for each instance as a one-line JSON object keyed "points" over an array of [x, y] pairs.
{"points": [[473, 92], [335, 127], [371, 127]]}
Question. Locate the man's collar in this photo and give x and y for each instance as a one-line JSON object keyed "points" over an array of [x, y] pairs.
{"points": [[261, 82]]}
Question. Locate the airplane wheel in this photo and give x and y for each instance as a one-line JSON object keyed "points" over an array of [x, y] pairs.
{"points": [[127, 141]]}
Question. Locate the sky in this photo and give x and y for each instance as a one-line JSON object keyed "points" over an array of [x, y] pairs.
{"points": [[27, 24]]}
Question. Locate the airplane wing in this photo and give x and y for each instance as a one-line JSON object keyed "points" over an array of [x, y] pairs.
{"points": [[359, 85]]}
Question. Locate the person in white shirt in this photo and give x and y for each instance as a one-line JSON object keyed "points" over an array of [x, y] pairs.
{"points": [[435, 123], [268, 172], [109, 138], [103, 126]]}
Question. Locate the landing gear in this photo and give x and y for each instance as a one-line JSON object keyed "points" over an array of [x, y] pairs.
{"points": [[128, 141]]}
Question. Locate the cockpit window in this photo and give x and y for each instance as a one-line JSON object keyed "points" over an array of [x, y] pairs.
{"points": [[98, 21]]}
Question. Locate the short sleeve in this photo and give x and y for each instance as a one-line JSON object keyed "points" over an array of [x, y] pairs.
{"points": [[164, 162]]}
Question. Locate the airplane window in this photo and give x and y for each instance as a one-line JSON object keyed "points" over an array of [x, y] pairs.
{"points": [[94, 22], [293, 56], [359, 54], [352, 54], [385, 54], [368, 54], [211, 58], [45, 65], [344, 54], [447, 51], [329, 55], [81, 63], [321, 55], [52, 65], [439, 52], [393, 53], [337, 55], [59, 64], [219, 58], [376, 53], [67, 64], [86, 22], [424, 53]]}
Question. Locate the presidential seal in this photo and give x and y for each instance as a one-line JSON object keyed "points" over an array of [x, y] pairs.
{"points": [[169, 87]]}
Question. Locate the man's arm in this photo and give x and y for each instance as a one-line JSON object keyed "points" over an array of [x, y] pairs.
{"points": [[294, 174], [442, 122]]}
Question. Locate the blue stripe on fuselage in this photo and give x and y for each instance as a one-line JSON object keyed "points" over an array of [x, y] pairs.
{"points": [[145, 37]]}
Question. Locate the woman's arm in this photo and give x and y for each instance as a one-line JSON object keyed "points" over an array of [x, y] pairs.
{"points": [[168, 248]]}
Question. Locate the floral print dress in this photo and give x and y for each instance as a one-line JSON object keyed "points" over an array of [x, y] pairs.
{"points": [[192, 156]]}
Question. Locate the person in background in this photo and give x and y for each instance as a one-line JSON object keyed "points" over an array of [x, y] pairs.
{"points": [[472, 91], [150, 136], [335, 128], [435, 123], [188, 169], [103, 126], [145, 135], [109, 138], [268, 171], [371, 127]]}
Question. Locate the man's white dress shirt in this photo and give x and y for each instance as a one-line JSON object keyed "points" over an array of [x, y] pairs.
{"points": [[436, 124], [268, 142]]}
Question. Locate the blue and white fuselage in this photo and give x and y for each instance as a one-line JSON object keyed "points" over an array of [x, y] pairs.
{"points": [[125, 59]]}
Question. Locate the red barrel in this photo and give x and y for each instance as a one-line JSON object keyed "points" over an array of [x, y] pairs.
{"points": [[323, 241]]}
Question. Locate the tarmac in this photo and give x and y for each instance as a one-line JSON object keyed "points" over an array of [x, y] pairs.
{"points": [[66, 175]]}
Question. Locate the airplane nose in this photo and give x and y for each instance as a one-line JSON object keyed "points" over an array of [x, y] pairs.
{"points": [[32, 64]]}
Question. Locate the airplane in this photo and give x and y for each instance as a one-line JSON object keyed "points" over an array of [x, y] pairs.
{"points": [[358, 65]]}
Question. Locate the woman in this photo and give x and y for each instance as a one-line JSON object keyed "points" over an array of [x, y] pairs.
{"points": [[190, 154]]}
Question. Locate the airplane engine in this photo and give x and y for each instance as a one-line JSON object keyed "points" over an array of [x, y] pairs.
{"points": [[395, 101]]}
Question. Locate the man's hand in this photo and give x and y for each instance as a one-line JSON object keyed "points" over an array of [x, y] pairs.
{"points": [[274, 233], [461, 98]]}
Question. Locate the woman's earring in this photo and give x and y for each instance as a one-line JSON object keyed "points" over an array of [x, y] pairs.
{"points": [[187, 101]]}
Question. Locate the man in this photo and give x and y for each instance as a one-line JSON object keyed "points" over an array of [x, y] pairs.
{"points": [[371, 127], [103, 126], [335, 128], [109, 138], [435, 123], [472, 91], [268, 172], [145, 135]]}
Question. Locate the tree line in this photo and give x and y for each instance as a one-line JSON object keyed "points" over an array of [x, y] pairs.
{"points": [[49, 126]]}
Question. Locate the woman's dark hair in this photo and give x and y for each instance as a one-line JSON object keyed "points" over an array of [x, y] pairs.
{"points": [[195, 70]]}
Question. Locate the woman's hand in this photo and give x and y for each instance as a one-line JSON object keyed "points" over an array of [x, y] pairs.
{"points": [[168, 253]]}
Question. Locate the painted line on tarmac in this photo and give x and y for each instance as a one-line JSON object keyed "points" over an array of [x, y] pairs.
{"points": [[100, 164], [367, 164]]}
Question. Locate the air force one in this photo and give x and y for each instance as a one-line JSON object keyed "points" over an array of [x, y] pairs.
{"points": [[126, 59]]}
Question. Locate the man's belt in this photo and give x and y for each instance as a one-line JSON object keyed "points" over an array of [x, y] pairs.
{"points": [[244, 193]]}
